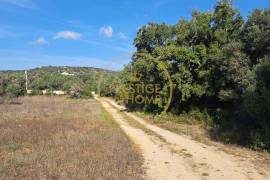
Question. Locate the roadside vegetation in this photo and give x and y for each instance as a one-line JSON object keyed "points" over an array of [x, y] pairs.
{"points": [[58, 138], [202, 132], [220, 67]]}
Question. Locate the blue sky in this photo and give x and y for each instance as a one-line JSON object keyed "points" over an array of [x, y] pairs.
{"points": [[96, 33]]}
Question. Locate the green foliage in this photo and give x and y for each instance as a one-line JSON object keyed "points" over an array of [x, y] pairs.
{"points": [[219, 66], [87, 91], [228, 72], [256, 35], [151, 36], [12, 84], [227, 22], [257, 103], [105, 84], [75, 81]]}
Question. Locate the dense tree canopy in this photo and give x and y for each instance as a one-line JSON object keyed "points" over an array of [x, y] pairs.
{"points": [[255, 35], [217, 63]]}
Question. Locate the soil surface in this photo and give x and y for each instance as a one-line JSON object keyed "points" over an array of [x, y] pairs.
{"points": [[171, 156]]}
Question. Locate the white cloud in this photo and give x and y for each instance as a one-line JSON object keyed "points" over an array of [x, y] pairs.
{"points": [[21, 3], [41, 41], [71, 35], [122, 35], [106, 31]]}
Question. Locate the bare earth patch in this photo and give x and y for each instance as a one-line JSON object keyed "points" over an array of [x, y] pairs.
{"points": [[58, 138], [261, 160], [177, 156]]}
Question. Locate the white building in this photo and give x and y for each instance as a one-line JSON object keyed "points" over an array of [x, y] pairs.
{"points": [[59, 92], [67, 74], [44, 92], [29, 91]]}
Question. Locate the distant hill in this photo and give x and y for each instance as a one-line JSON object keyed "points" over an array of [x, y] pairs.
{"points": [[59, 69], [69, 79]]}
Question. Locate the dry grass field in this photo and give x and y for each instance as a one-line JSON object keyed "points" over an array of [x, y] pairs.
{"points": [[59, 138]]}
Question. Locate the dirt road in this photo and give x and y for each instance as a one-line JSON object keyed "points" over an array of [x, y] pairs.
{"points": [[170, 156]]}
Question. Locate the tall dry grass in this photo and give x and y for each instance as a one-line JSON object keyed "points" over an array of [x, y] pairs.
{"points": [[58, 138]]}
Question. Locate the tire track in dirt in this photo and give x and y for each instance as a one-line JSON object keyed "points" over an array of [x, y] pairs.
{"points": [[179, 157], [160, 162]]}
